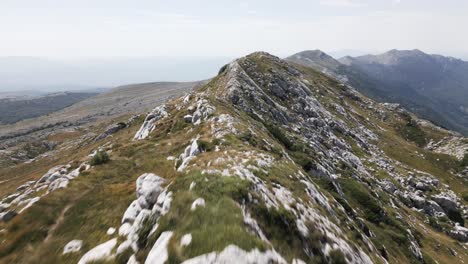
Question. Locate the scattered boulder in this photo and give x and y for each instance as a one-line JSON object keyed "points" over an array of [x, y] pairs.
{"points": [[185, 240], [196, 203], [110, 231], [149, 186], [72, 246], [388, 186], [460, 233]]}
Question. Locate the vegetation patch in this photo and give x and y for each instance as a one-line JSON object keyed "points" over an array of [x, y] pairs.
{"points": [[411, 131], [279, 226]]}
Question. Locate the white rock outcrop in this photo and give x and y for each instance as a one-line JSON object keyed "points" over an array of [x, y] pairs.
{"points": [[149, 123], [31, 192], [203, 111]]}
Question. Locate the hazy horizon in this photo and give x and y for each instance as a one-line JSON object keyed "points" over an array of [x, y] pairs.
{"points": [[228, 28], [109, 43]]}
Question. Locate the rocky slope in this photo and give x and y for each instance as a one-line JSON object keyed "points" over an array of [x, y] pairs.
{"points": [[433, 86], [27, 139], [266, 163]]}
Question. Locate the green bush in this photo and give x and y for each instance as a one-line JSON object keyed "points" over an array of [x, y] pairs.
{"points": [[464, 161], [206, 146], [249, 137], [100, 157], [465, 196], [337, 257], [281, 137], [456, 217]]}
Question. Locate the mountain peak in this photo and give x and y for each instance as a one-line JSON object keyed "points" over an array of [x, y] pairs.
{"points": [[313, 54], [316, 59]]}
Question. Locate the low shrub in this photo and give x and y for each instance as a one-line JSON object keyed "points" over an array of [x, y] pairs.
{"points": [[464, 161], [412, 132], [207, 146], [99, 158]]}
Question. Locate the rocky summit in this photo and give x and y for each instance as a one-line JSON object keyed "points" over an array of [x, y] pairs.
{"points": [[269, 162]]}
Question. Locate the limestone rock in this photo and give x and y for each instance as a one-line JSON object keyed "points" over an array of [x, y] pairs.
{"points": [[102, 252], [149, 123], [158, 253]]}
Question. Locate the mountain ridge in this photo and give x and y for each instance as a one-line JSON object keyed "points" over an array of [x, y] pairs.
{"points": [[267, 162]]}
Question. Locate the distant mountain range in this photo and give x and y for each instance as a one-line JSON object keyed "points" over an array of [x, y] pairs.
{"points": [[433, 86], [18, 108]]}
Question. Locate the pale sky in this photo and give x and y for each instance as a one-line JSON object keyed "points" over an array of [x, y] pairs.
{"points": [[213, 28]]}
